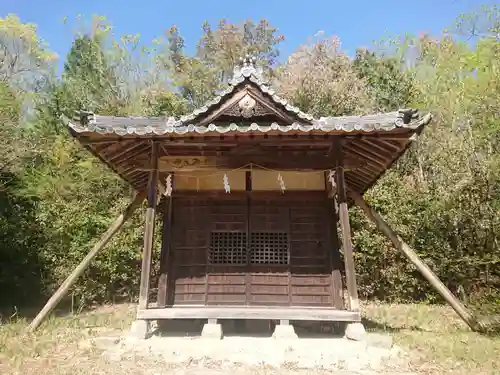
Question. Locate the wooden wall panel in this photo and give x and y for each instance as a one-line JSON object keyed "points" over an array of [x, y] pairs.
{"points": [[297, 223], [188, 251], [310, 271], [189, 285]]}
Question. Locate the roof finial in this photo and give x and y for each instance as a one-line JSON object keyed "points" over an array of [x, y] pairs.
{"points": [[248, 61], [247, 67]]}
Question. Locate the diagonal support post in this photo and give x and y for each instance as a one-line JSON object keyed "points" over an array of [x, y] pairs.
{"points": [[412, 256], [78, 271]]}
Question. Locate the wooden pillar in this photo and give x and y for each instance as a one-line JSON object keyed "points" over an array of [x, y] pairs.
{"points": [[417, 262], [336, 281], [77, 272], [165, 253], [352, 289], [338, 293], [149, 228]]}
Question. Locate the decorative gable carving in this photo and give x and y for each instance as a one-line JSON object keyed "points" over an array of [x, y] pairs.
{"points": [[247, 107]]}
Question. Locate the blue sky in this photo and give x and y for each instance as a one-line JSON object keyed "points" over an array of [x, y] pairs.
{"points": [[357, 22]]}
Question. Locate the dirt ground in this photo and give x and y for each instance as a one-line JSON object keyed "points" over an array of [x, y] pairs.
{"points": [[432, 341]]}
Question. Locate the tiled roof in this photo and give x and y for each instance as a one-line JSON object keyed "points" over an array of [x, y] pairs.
{"points": [[88, 122]]}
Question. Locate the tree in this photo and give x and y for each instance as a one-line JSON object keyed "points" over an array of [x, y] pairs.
{"points": [[389, 83], [24, 68], [10, 110], [88, 79], [320, 79], [24, 59], [218, 51]]}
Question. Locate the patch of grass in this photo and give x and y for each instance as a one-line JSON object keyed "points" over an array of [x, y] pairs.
{"points": [[54, 347], [437, 340], [442, 340]]}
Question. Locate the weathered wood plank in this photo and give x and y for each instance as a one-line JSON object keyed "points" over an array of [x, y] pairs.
{"points": [[336, 277], [247, 312], [283, 160], [149, 228]]}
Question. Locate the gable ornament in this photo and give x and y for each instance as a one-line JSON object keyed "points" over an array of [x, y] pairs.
{"points": [[247, 106]]}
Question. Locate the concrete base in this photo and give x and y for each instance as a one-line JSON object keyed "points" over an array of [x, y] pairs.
{"points": [[286, 332], [355, 331], [212, 331], [139, 329]]}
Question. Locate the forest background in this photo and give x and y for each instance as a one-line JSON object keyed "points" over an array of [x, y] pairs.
{"points": [[442, 197]]}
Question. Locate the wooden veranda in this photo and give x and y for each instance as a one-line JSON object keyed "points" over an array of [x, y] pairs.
{"points": [[252, 191]]}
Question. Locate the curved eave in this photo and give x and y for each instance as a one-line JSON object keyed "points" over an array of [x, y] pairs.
{"points": [[138, 180], [156, 126]]}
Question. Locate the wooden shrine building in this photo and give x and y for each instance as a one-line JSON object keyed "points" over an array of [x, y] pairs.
{"points": [[253, 190]]}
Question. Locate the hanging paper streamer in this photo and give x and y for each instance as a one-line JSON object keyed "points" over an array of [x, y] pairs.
{"points": [[336, 205], [168, 186], [331, 178], [281, 183], [227, 188]]}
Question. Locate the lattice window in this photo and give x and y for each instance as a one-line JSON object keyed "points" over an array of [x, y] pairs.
{"points": [[228, 248], [269, 248]]}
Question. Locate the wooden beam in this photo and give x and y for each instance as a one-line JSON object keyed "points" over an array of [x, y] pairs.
{"points": [[279, 161], [370, 160], [249, 312], [345, 227], [357, 176], [382, 225], [372, 150], [132, 146], [130, 155], [77, 272], [375, 143], [254, 139], [288, 161], [390, 136], [285, 115], [235, 98], [390, 143], [149, 228]]}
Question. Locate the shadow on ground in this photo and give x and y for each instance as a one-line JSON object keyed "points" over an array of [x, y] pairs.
{"points": [[249, 328]]}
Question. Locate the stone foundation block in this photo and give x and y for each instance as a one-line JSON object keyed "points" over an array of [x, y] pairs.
{"points": [[355, 331], [139, 329], [212, 331], [284, 332]]}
